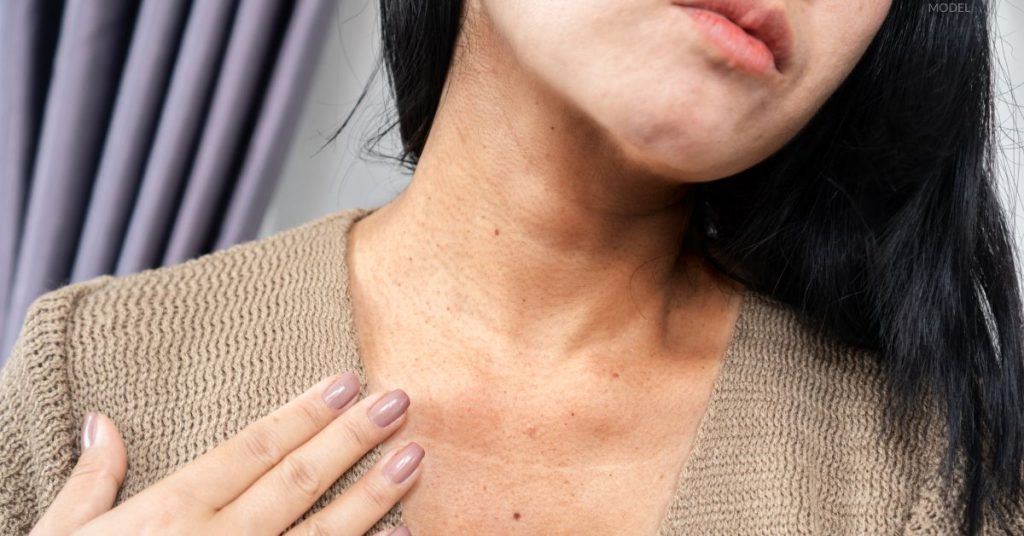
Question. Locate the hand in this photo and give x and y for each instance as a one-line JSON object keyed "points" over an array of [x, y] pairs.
{"points": [[259, 481]]}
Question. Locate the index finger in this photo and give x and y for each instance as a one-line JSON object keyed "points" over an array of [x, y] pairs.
{"points": [[223, 473]]}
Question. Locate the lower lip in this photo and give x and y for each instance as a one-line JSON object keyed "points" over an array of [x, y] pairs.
{"points": [[743, 50]]}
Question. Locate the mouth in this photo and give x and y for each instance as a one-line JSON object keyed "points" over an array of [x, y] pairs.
{"points": [[753, 35]]}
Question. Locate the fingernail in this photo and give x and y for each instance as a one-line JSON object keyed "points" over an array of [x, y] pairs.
{"points": [[89, 430], [402, 464], [342, 391], [400, 531], [389, 407]]}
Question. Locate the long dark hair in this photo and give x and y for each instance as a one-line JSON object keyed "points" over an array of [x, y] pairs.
{"points": [[879, 220]]}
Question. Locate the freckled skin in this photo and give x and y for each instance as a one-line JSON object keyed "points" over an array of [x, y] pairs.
{"points": [[545, 379], [555, 436], [518, 447]]}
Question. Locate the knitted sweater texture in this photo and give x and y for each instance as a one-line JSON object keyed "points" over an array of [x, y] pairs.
{"points": [[181, 358]]}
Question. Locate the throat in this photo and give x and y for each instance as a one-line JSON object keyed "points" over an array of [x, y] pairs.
{"points": [[497, 308]]}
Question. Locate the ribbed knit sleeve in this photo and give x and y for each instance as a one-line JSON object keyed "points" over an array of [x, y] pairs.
{"points": [[38, 443]]}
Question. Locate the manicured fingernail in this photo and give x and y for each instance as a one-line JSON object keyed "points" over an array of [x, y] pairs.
{"points": [[89, 430], [402, 464], [400, 531], [342, 391], [389, 407]]}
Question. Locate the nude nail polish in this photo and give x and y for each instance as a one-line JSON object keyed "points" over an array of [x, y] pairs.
{"points": [[403, 463], [390, 406], [341, 391], [89, 430]]}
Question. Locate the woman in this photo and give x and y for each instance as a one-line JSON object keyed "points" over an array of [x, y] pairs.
{"points": [[663, 268]]}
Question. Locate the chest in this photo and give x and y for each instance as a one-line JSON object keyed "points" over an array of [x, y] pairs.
{"points": [[542, 450], [515, 490]]}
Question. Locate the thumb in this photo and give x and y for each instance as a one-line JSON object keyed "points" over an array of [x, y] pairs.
{"points": [[92, 487]]}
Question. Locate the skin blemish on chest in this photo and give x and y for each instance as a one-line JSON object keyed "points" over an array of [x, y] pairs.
{"points": [[497, 232], [615, 375], [516, 515]]}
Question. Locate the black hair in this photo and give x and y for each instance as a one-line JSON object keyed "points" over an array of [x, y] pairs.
{"points": [[879, 220]]}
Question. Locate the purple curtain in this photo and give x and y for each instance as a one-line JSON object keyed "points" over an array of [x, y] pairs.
{"points": [[139, 134], [26, 46]]}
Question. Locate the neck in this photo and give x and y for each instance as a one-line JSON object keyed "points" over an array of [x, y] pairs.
{"points": [[515, 219]]}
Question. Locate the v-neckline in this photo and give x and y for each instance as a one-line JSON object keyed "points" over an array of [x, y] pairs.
{"points": [[702, 437]]}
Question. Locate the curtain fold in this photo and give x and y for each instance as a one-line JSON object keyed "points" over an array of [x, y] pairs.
{"points": [[150, 58], [136, 134], [25, 45], [86, 67], [279, 117], [164, 177], [223, 135]]}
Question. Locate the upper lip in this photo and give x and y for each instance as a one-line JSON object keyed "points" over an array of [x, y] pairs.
{"points": [[766, 22]]}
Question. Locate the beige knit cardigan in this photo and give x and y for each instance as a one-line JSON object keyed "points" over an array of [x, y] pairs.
{"points": [[181, 358]]}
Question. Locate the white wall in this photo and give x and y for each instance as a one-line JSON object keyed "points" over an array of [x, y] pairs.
{"points": [[319, 183], [1009, 48]]}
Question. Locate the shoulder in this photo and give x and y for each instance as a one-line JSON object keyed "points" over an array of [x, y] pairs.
{"points": [[311, 249], [243, 276], [783, 345], [230, 284], [831, 401], [811, 413], [254, 296], [170, 306], [838, 390], [313, 246]]}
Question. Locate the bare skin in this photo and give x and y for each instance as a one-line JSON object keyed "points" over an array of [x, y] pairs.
{"points": [[529, 288], [533, 426], [560, 346]]}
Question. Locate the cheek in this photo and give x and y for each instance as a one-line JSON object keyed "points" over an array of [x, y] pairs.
{"points": [[563, 40], [832, 46]]}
